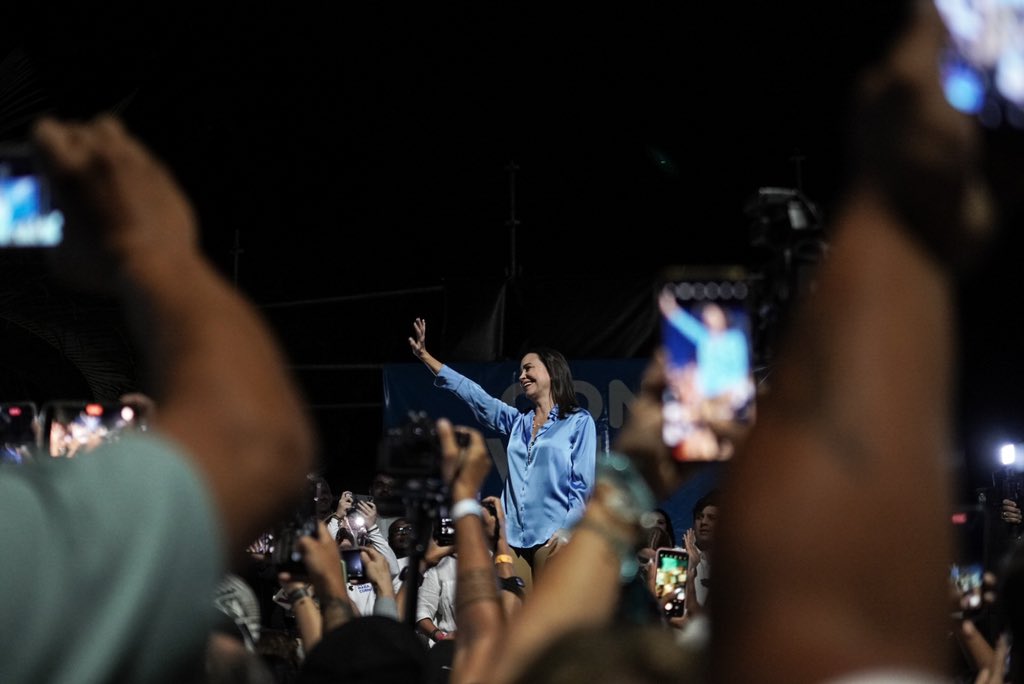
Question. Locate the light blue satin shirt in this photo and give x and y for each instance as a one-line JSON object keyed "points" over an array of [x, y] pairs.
{"points": [[548, 483]]}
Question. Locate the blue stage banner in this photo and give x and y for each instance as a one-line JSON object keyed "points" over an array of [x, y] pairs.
{"points": [[605, 387]]}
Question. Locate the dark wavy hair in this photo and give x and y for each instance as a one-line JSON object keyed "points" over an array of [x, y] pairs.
{"points": [[668, 525], [562, 389], [709, 499]]}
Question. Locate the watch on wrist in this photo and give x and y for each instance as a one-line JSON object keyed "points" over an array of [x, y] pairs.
{"points": [[514, 584]]}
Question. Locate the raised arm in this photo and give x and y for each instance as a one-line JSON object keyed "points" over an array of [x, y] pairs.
{"points": [[217, 375], [418, 344], [491, 411], [478, 609], [375, 537], [853, 442]]}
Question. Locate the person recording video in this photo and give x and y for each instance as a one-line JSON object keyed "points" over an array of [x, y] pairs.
{"points": [[124, 593]]}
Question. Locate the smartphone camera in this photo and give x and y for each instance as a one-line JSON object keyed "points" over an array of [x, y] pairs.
{"points": [[27, 216], [285, 554], [353, 560], [670, 580], [356, 519], [710, 391], [72, 428], [967, 571], [444, 531], [19, 432]]}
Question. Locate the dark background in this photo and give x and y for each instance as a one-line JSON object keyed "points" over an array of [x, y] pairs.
{"points": [[350, 168]]}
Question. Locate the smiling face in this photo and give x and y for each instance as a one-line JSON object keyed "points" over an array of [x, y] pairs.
{"points": [[534, 378]]}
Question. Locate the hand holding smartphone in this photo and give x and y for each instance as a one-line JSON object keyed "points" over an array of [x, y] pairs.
{"points": [[353, 561], [967, 571], [671, 565], [444, 531], [71, 428], [710, 391]]}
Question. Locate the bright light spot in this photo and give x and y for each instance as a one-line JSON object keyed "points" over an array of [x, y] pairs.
{"points": [[964, 88], [15, 411], [1008, 454], [1010, 77], [93, 410], [127, 413]]}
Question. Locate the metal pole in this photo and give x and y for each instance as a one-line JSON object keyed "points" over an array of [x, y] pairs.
{"points": [[512, 223]]}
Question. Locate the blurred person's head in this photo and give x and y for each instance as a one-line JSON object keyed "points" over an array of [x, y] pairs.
{"points": [[367, 649], [654, 538], [705, 518], [714, 318], [664, 521], [382, 486]]}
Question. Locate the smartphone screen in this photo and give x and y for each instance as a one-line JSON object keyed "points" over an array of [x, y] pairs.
{"points": [[670, 579], [73, 428], [982, 70], [19, 432], [27, 218], [353, 564], [967, 571], [706, 333], [444, 531]]}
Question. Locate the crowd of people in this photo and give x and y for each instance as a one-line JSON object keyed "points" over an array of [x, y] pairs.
{"points": [[176, 554]]}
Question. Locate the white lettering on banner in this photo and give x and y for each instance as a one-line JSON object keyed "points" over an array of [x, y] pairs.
{"points": [[619, 398], [595, 402]]}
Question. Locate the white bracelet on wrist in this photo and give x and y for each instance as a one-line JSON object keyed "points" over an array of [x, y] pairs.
{"points": [[465, 507]]}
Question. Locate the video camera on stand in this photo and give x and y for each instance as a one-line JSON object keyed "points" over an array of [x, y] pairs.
{"points": [[410, 459]]}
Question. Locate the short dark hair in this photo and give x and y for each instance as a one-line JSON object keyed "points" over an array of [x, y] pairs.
{"points": [[709, 499]]}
